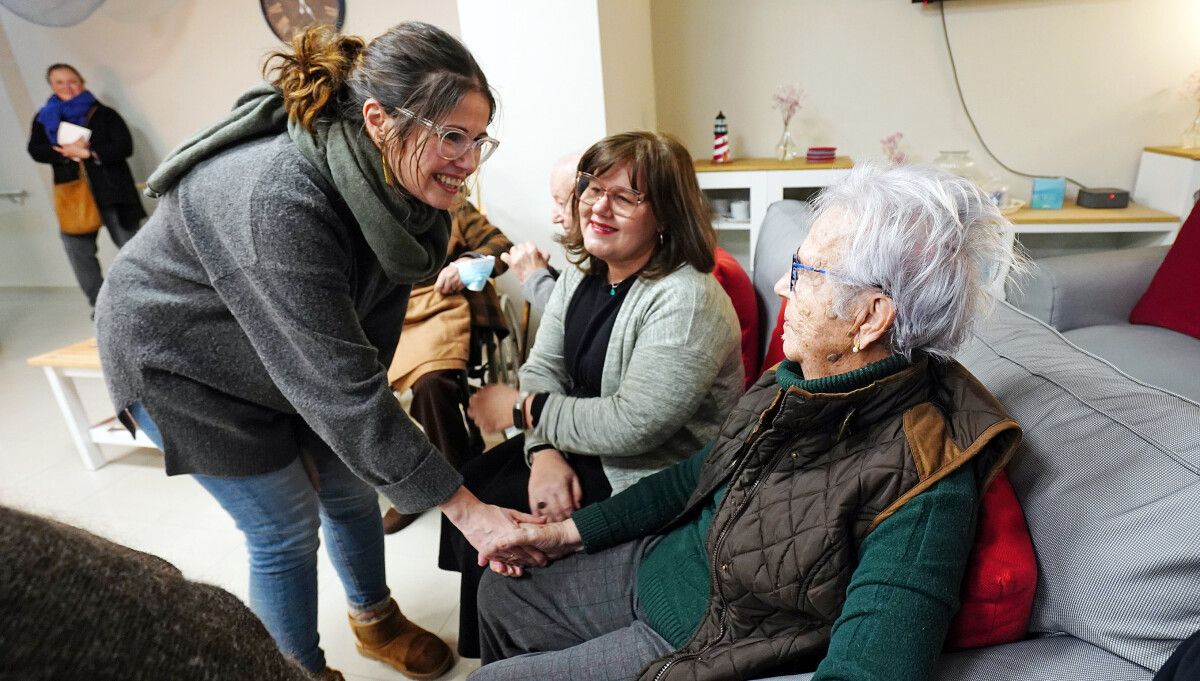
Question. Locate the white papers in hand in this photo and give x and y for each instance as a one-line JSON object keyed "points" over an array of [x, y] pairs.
{"points": [[69, 132]]}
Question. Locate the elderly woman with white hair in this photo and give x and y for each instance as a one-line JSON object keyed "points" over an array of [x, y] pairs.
{"points": [[829, 524]]}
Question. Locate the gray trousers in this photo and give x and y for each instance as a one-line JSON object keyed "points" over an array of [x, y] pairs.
{"points": [[576, 620], [122, 224]]}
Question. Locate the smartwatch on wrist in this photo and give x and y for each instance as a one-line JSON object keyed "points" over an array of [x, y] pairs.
{"points": [[519, 411]]}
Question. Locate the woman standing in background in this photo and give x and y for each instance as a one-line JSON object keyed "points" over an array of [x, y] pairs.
{"points": [[101, 158]]}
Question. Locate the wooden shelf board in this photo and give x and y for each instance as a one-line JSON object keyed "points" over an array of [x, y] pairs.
{"points": [[1184, 152], [749, 164], [81, 355], [1071, 214]]}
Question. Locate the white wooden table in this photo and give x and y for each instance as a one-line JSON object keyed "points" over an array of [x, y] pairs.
{"points": [[62, 368]]}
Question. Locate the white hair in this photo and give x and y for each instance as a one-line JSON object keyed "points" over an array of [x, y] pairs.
{"points": [[933, 242]]}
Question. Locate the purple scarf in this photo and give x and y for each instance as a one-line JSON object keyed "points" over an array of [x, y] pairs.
{"points": [[74, 110]]}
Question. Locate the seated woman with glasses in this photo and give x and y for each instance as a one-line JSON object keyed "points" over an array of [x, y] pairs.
{"points": [[827, 527], [636, 360]]}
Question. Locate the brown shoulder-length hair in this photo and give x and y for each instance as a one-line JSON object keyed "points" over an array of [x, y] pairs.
{"points": [[661, 168]]}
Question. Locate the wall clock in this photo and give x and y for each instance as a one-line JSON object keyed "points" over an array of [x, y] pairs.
{"points": [[289, 17]]}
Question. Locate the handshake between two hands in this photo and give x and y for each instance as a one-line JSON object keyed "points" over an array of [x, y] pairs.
{"points": [[530, 541]]}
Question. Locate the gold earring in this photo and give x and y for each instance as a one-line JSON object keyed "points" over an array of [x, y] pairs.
{"points": [[387, 176], [854, 348]]}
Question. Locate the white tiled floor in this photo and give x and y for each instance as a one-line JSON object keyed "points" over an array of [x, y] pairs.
{"points": [[131, 500]]}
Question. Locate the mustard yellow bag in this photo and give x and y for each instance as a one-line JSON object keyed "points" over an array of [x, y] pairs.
{"points": [[76, 207]]}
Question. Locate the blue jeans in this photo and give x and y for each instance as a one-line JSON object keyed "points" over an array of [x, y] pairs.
{"points": [[279, 513]]}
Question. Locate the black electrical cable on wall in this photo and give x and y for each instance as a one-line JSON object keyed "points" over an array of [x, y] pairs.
{"points": [[971, 119]]}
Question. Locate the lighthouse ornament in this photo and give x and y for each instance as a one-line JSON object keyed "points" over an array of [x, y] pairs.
{"points": [[720, 140]]}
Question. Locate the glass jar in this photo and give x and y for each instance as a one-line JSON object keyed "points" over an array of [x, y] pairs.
{"points": [[957, 163]]}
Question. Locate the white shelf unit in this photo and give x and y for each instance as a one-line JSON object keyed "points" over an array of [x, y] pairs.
{"points": [[761, 182], [1168, 179]]}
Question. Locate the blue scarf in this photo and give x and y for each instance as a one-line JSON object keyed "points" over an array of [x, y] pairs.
{"points": [[74, 110]]}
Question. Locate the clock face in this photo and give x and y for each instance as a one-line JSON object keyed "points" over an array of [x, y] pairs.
{"points": [[289, 17]]}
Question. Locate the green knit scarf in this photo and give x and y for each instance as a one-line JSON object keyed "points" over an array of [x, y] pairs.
{"points": [[407, 236]]}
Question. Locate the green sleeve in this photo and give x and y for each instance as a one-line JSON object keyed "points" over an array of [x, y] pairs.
{"points": [[642, 508], [905, 589]]}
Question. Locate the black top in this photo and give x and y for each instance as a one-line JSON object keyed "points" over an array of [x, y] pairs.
{"points": [[587, 326], [108, 173]]}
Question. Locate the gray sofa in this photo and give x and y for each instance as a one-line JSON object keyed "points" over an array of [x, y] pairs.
{"points": [[1108, 473], [1088, 298]]}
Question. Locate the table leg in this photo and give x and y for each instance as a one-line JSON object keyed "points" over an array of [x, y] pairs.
{"points": [[77, 421]]}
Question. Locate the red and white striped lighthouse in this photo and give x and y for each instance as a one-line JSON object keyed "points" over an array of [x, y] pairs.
{"points": [[720, 140]]}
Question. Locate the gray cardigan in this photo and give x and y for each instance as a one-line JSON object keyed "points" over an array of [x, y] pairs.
{"points": [[253, 322], [671, 374]]}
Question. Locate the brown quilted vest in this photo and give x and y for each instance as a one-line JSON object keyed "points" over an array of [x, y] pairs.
{"points": [[810, 475]]}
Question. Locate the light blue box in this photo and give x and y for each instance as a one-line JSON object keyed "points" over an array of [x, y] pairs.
{"points": [[1048, 192]]}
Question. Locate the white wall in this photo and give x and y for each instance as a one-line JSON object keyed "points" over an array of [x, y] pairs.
{"points": [[542, 57], [627, 61], [169, 67], [1072, 87]]}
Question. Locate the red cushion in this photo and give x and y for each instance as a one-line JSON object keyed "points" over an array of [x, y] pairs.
{"points": [[1001, 576], [775, 349], [1173, 299], [733, 279]]}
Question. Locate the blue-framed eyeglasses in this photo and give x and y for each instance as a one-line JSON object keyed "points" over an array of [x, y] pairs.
{"points": [[797, 267]]}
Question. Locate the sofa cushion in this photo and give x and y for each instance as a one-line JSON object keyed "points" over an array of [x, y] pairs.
{"points": [[1109, 476], [775, 342], [1001, 576], [1053, 658], [736, 282], [1173, 299], [1151, 354], [783, 229]]}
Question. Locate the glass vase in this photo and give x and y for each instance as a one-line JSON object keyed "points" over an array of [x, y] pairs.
{"points": [[787, 149], [956, 163], [1191, 136]]}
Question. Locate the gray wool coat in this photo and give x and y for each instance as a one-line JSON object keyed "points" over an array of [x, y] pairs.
{"points": [[253, 321]]}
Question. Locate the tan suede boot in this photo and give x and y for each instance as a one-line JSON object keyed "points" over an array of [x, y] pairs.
{"points": [[414, 652]]}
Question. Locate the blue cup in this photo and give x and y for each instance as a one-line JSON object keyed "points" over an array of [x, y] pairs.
{"points": [[475, 272]]}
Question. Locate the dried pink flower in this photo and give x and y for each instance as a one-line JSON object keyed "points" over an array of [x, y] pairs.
{"points": [[1191, 86], [787, 100], [891, 148]]}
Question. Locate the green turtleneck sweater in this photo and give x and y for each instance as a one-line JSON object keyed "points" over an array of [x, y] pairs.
{"points": [[901, 596]]}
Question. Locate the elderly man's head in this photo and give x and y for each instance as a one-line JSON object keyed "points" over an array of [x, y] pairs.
{"points": [[562, 185], [897, 261]]}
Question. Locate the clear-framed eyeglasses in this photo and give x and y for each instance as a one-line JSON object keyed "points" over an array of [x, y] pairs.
{"points": [[453, 143], [623, 200]]}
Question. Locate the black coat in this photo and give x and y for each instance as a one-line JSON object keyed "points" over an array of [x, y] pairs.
{"points": [[107, 171]]}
